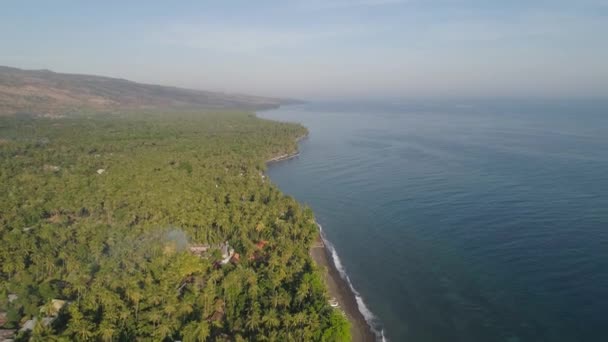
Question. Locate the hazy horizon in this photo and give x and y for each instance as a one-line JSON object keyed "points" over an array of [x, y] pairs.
{"points": [[335, 49]]}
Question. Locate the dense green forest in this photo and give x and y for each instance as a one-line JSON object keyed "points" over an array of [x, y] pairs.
{"points": [[97, 213]]}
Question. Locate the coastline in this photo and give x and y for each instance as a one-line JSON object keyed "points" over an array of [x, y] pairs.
{"points": [[283, 157], [337, 286], [287, 156], [339, 289]]}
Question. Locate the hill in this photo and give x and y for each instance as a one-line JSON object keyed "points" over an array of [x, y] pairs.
{"points": [[47, 93]]}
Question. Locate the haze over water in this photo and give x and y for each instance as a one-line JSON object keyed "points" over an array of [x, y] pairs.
{"points": [[463, 222]]}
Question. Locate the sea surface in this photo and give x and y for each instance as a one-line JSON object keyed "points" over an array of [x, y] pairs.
{"points": [[463, 221]]}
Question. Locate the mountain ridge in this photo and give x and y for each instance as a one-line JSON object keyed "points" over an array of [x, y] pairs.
{"points": [[45, 92]]}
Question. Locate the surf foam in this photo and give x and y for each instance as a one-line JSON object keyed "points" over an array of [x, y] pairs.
{"points": [[368, 315]]}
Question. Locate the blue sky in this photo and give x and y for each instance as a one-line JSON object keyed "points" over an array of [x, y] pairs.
{"points": [[322, 49]]}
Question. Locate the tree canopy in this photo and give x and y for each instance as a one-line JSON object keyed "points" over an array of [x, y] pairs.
{"points": [[99, 211]]}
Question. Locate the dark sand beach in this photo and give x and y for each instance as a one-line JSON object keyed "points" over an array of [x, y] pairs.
{"points": [[339, 289]]}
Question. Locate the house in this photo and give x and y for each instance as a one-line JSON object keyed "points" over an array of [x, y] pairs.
{"points": [[12, 297], [53, 308], [51, 168], [224, 249], [199, 250], [52, 311], [218, 314], [7, 334], [100, 171], [46, 321], [235, 258], [29, 325], [227, 253], [261, 244]]}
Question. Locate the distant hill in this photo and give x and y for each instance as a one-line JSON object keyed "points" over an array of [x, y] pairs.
{"points": [[43, 92]]}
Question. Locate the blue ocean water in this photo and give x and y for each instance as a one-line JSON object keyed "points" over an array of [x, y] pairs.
{"points": [[481, 221]]}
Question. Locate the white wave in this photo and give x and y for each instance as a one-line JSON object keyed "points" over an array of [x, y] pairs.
{"points": [[368, 315], [384, 339]]}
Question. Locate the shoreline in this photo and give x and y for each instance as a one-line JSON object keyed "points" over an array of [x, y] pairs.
{"points": [[337, 287], [287, 156], [282, 157]]}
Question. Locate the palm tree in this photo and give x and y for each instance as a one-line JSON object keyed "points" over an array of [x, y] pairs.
{"points": [[162, 331], [84, 330], [107, 331], [253, 321], [302, 292], [299, 319], [203, 331], [42, 332], [135, 296], [271, 320]]}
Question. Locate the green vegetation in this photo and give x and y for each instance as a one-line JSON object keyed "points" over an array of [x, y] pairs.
{"points": [[114, 244]]}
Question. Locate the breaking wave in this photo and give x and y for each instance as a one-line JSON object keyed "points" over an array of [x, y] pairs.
{"points": [[370, 318]]}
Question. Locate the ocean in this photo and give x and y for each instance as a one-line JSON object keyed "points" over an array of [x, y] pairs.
{"points": [[462, 221]]}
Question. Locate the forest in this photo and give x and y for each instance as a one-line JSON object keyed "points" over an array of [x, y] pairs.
{"points": [[98, 215]]}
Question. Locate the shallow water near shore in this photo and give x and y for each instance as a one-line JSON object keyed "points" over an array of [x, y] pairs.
{"points": [[463, 221]]}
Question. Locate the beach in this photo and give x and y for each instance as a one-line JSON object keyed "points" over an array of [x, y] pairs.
{"points": [[339, 289]]}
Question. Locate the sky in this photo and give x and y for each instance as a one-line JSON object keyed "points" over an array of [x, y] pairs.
{"points": [[322, 48]]}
